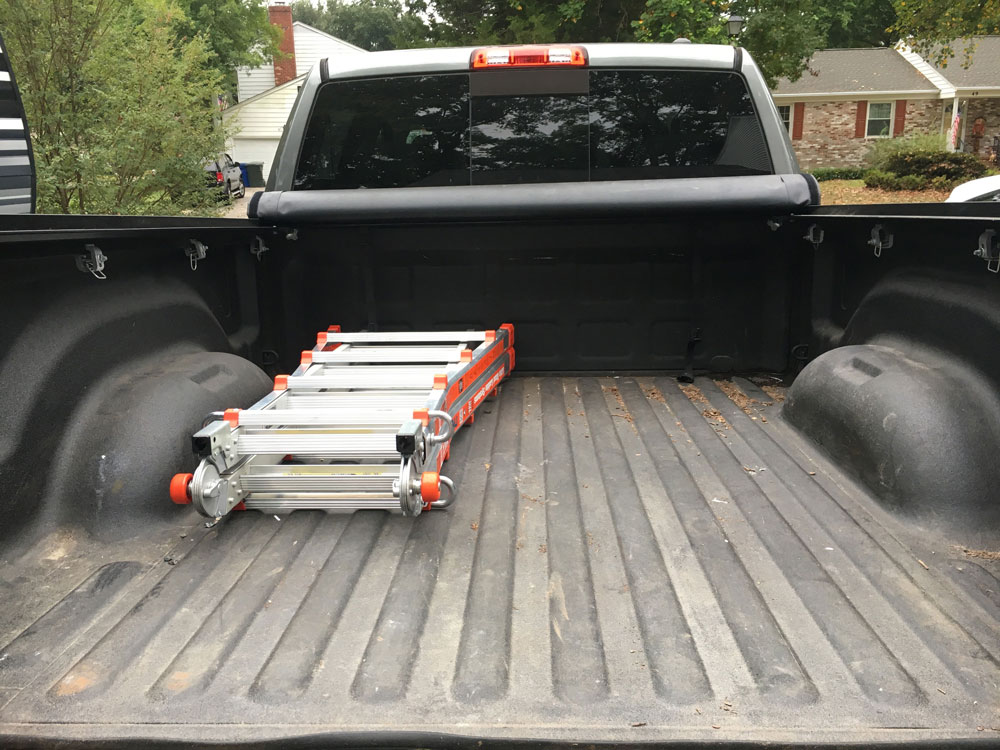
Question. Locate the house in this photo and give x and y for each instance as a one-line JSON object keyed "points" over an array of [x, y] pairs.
{"points": [[849, 97], [267, 93]]}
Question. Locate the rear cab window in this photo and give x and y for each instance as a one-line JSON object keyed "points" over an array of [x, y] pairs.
{"points": [[522, 126]]}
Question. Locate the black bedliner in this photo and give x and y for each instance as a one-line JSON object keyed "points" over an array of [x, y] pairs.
{"points": [[629, 560]]}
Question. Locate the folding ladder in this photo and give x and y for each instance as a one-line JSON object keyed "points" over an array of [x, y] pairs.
{"points": [[365, 422]]}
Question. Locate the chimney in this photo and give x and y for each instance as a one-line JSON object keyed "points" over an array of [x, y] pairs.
{"points": [[284, 68]]}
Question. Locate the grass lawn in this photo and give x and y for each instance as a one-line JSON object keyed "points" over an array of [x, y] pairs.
{"points": [[854, 191]]}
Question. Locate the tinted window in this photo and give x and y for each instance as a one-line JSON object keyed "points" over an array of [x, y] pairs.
{"points": [[530, 127], [539, 138], [388, 132], [645, 125]]}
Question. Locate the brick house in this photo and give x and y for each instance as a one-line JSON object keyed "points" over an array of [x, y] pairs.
{"points": [[850, 97]]}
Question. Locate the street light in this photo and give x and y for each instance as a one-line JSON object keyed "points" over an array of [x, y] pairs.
{"points": [[734, 25]]}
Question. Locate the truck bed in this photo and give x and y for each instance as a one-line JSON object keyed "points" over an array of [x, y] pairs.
{"points": [[629, 559]]}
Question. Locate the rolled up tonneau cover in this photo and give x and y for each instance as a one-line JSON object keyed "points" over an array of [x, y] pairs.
{"points": [[765, 194]]}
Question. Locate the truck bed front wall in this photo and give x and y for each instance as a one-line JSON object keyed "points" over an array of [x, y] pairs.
{"points": [[638, 295]]}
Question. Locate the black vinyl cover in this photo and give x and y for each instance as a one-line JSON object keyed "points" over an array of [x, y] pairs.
{"points": [[765, 194]]}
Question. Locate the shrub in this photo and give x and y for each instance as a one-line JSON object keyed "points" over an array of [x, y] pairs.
{"points": [[942, 183], [954, 165], [913, 182], [839, 173], [876, 178], [919, 162], [884, 148]]}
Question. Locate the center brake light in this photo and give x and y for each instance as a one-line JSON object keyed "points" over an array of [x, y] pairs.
{"points": [[529, 56]]}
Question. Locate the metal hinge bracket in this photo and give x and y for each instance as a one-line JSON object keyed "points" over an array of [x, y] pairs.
{"points": [[92, 261], [989, 250], [257, 247], [196, 251], [815, 235], [881, 239]]}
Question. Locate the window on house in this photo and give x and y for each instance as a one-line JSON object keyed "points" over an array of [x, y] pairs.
{"points": [[786, 116], [879, 119]]}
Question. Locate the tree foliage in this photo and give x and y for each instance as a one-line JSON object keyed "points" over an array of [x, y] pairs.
{"points": [[858, 23], [122, 114], [236, 32], [781, 34], [939, 29], [369, 24]]}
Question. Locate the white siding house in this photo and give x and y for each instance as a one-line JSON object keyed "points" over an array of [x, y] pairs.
{"points": [[260, 116], [258, 122], [253, 81], [311, 45]]}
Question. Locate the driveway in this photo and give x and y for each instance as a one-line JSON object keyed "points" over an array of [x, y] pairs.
{"points": [[238, 208]]}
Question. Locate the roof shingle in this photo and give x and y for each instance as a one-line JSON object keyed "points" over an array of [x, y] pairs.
{"points": [[985, 68], [844, 71]]}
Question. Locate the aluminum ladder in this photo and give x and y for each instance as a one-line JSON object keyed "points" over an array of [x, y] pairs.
{"points": [[364, 422]]}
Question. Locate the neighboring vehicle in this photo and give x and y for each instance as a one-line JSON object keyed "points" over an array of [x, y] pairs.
{"points": [[226, 176], [740, 489], [982, 189]]}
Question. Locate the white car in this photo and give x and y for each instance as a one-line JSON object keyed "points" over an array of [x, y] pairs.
{"points": [[983, 189]]}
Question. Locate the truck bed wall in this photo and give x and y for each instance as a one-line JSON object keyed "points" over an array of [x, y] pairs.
{"points": [[582, 297], [104, 381], [902, 385]]}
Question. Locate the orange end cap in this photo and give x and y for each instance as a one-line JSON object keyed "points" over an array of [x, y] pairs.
{"points": [[334, 329], [307, 357], [509, 328], [423, 415], [430, 486], [321, 338], [232, 416], [440, 382], [491, 336], [466, 355], [280, 382], [179, 488], [511, 361]]}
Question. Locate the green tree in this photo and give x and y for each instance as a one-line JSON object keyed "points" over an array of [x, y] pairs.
{"points": [[369, 24], [939, 29], [858, 23], [235, 32], [780, 34], [530, 21], [123, 116]]}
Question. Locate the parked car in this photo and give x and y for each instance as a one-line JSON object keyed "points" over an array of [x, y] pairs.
{"points": [[976, 191], [225, 175]]}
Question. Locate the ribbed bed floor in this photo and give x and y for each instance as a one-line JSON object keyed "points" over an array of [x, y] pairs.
{"points": [[628, 559]]}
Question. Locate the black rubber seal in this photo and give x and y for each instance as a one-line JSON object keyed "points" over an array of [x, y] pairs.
{"points": [[252, 205]]}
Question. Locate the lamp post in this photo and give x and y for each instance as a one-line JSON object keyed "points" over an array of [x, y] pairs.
{"points": [[734, 26]]}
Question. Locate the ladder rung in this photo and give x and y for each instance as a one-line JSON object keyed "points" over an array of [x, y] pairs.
{"points": [[407, 337], [286, 505], [373, 354], [409, 378], [348, 445], [325, 417], [307, 483], [401, 399]]}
